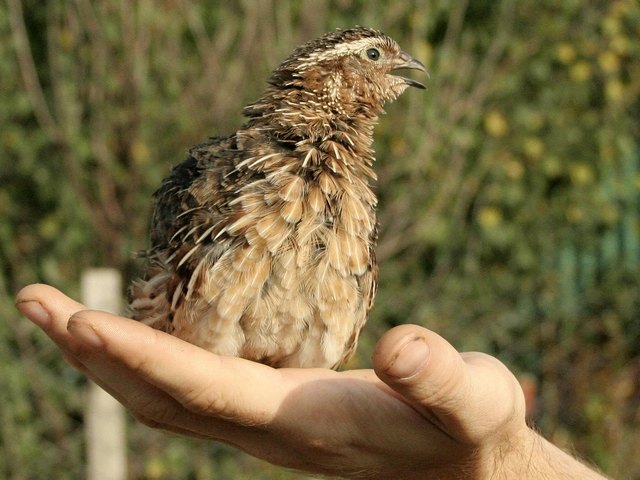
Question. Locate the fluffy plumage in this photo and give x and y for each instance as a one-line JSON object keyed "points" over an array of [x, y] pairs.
{"points": [[262, 242]]}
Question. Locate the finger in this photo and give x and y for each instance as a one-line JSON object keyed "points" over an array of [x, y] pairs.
{"points": [[201, 382], [50, 309], [467, 395]]}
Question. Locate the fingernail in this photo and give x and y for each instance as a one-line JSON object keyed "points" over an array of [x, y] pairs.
{"points": [[85, 333], [410, 359], [35, 312]]}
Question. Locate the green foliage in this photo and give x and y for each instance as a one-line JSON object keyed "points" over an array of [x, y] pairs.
{"points": [[510, 192]]}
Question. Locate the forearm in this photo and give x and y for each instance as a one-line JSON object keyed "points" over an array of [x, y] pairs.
{"points": [[538, 459], [527, 457]]}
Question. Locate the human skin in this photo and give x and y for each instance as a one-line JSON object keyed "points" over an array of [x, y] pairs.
{"points": [[423, 411]]}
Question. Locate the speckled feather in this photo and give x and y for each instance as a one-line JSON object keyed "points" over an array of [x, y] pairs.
{"points": [[262, 242]]}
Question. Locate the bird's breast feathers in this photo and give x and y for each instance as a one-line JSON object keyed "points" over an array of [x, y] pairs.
{"points": [[276, 266]]}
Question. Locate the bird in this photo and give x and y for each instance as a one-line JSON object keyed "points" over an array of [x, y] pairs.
{"points": [[263, 241]]}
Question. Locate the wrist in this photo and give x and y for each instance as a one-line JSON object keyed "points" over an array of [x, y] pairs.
{"points": [[529, 456]]}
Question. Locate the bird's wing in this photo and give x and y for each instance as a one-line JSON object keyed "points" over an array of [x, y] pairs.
{"points": [[368, 285], [191, 207], [176, 201]]}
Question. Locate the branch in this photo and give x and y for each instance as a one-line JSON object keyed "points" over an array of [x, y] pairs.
{"points": [[29, 73]]}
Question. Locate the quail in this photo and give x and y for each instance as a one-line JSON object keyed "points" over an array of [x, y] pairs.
{"points": [[262, 242]]}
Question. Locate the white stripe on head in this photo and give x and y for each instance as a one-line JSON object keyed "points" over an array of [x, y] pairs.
{"points": [[346, 48]]}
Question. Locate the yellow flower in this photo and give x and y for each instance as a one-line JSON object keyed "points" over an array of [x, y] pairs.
{"points": [[566, 53], [581, 173], [533, 147], [514, 169], [495, 124], [611, 25], [609, 61], [614, 89], [580, 72], [489, 217], [140, 152], [620, 44]]}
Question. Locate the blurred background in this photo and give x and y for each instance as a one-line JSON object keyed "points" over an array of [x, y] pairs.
{"points": [[509, 194]]}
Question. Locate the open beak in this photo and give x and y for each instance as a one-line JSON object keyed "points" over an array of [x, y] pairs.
{"points": [[406, 61]]}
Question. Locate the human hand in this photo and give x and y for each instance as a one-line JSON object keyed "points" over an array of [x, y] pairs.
{"points": [[425, 411]]}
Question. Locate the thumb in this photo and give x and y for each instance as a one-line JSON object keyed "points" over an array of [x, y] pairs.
{"points": [[467, 395]]}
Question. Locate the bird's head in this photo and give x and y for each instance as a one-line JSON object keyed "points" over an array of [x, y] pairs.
{"points": [[347, 71]]}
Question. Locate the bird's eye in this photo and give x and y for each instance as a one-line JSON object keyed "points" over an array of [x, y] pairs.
{"points": [[373, 54]]}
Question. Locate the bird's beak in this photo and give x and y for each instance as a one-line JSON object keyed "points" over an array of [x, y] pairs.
{"points": [[406, 61]]}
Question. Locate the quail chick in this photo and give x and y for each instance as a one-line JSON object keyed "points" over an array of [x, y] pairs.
{"points": [[262, 242]]}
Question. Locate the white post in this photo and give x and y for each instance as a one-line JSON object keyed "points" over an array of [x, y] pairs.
{"points": [[105, 433]]}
